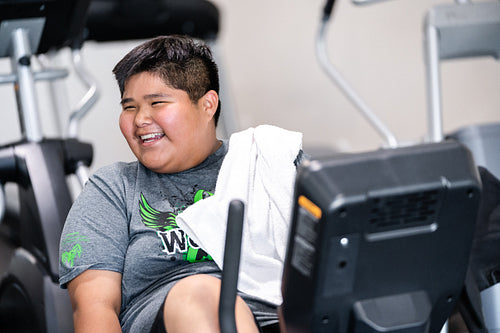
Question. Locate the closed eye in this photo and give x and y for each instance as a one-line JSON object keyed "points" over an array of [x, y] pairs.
{"points": [[128, 107]]}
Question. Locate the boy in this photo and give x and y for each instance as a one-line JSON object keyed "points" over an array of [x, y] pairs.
{"points": [[126, 263]]}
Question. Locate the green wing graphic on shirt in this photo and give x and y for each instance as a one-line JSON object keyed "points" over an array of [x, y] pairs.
{"points": [[155, 219], [173, 239]]}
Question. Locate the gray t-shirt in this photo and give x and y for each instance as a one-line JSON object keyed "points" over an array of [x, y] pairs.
{"points": [[125, 221]]}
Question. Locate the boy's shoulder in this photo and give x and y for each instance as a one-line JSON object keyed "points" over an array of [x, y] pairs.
{"points": [[117, 168], [118, 173]]}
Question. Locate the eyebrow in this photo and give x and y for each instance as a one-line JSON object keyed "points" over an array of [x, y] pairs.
{"points": [[147, 97], [126, 100]]}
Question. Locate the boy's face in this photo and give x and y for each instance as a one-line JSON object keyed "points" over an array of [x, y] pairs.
{"points": [[164, 129]]}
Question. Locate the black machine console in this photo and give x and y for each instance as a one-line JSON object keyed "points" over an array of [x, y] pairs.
{"points": [[380, 241]]}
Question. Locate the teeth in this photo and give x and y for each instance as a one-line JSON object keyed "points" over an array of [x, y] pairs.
{"points": [[150, 137]]}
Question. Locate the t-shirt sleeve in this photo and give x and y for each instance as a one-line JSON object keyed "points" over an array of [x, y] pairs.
{"points": [[95, 235]]}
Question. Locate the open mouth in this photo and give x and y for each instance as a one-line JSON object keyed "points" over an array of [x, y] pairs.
{"points": [[151, 137]]}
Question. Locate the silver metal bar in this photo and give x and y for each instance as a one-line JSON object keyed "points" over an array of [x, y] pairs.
{"points": [[44, 75], [354, 98], [8, 78], [82, 173], [28, 105], [445, 328], [88, 99], [50, 74], [459, 30], [365, 2], [434, 109]]}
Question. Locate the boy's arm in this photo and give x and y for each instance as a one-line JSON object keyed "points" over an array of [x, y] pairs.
{"points": [[96, 299]]}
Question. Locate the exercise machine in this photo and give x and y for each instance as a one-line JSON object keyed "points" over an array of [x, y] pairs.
{"points": [[387, 253], [38, 167], [381, 241], [469, 29], [372, 254], [30, 297]]}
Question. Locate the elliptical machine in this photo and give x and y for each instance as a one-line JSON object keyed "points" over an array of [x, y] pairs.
{"points": [[382, 241], [30, 297]]}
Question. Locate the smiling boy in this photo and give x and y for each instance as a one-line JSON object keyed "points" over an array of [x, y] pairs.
{"points": [[134, 269]]}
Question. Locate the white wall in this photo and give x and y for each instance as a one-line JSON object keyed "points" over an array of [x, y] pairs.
{"points": [[270, 75]]}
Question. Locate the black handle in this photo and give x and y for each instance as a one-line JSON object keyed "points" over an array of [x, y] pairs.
{"points": [[327, 10], [232, 251]]}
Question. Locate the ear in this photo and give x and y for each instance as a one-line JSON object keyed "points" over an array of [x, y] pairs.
{"points": [[210, 101]]}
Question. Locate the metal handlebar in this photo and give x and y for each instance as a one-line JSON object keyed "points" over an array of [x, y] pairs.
{"points": [[348, 91], [88, 100], [82, 108]]}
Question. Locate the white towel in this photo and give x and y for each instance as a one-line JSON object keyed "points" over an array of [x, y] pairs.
{"points": [[259, 170]]}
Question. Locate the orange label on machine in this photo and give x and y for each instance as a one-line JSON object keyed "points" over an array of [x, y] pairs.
{"points": [[310, 207]]}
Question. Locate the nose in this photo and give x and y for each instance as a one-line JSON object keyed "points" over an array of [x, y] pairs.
{"points": [[143, 117]]}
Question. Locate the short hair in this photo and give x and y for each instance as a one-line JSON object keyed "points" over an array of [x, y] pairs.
{"points": [[180, 61]]}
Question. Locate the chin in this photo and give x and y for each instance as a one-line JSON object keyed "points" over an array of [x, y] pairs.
{"points": [[162, 169], [154, 168]]}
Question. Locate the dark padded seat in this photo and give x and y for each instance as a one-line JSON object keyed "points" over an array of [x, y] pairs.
{"points": [[115, 20]]}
